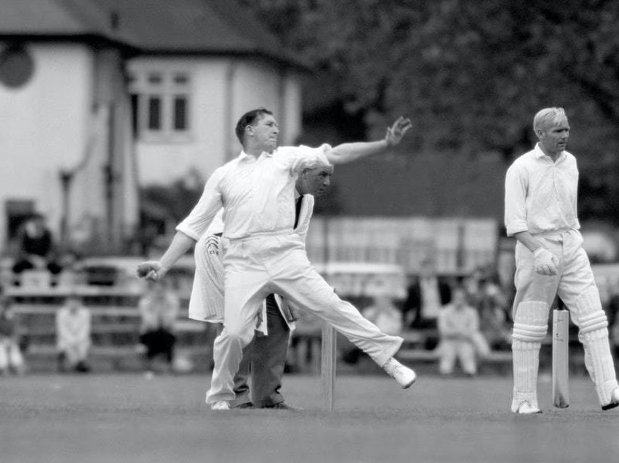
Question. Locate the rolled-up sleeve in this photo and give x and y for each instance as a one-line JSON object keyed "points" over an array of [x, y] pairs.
{"points": [[198, 220], [515, 200]]}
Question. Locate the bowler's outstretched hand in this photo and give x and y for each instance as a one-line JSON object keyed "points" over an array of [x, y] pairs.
{"points": [[396, 132]]}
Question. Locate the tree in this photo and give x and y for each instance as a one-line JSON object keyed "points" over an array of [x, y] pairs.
{"points": [[177, 199], [470, 74]]}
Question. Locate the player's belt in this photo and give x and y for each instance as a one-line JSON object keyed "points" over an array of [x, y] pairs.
{"points": [[265, 234]]}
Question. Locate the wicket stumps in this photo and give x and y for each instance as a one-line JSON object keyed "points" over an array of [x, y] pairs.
{"points": [[560, 358], [328, 364]]}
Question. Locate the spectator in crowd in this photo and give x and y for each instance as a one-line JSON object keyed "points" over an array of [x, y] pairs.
{"points": [[494, 322], [612, 311], [472, 284], [35, 248], [11, 359], [73, 273], [73, 335], [384, 314], [460, 338], [426, 295], [159, 307], [485, 294], [305, 342]]}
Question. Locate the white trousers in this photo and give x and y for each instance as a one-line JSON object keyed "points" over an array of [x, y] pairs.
{"points": [[574, 276], [451, 350], [258, 266], [207, 294], [10, 355], [575, 285], [76, 351]]}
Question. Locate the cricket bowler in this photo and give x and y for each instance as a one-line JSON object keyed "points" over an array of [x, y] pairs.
{"points": [[263, 255]]}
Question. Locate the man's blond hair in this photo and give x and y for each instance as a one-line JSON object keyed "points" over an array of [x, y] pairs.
{"points": [[548, 117]]}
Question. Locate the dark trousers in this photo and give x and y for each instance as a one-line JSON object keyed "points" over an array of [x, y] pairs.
{"points": [[159, 342], [24, 264], [264, 359]]}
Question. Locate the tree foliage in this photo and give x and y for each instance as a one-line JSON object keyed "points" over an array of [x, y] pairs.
{"points": [[470, 74], [178, 199]]}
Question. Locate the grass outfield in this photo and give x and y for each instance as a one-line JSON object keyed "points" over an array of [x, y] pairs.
{"points": [[127, 418]]}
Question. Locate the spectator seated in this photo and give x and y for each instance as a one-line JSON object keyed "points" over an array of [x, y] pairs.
{"points": [[36, 278]]}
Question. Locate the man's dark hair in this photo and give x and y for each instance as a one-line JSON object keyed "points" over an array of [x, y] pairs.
{"points": [[248, 119]]}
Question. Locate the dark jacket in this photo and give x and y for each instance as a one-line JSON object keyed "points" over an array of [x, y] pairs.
{"points": [[412, 304]]}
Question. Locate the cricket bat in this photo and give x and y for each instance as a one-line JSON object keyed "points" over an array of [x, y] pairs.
{"points": [[560, 358]]}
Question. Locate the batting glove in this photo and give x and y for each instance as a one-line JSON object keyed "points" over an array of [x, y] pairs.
{"points": [[544, 262]]}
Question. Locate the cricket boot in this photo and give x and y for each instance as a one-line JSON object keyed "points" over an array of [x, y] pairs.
{"points": [[220, 405], [403, 375], [614, 401], [525, 408]]}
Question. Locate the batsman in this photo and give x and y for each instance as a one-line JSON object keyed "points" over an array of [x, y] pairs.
{"points": [[541, 189]]}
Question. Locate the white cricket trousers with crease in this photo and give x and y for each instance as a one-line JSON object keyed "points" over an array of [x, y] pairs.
{"points": [[277, 263], [576, 287]]}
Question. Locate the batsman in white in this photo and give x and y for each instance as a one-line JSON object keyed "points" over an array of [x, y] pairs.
{"points": [[262, 254], [264, 359], [540, 212]]}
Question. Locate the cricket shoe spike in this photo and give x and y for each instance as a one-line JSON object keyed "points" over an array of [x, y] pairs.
{"points": [[220, 405], [403, 375], [525, 408], [614, 400]]}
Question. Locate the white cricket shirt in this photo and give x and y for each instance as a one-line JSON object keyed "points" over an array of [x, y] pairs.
{"points": [[541, 195], [257, 193]]}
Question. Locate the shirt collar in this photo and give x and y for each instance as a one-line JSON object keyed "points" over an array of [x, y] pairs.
{"points": [[244, 155], [539, 154]]}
